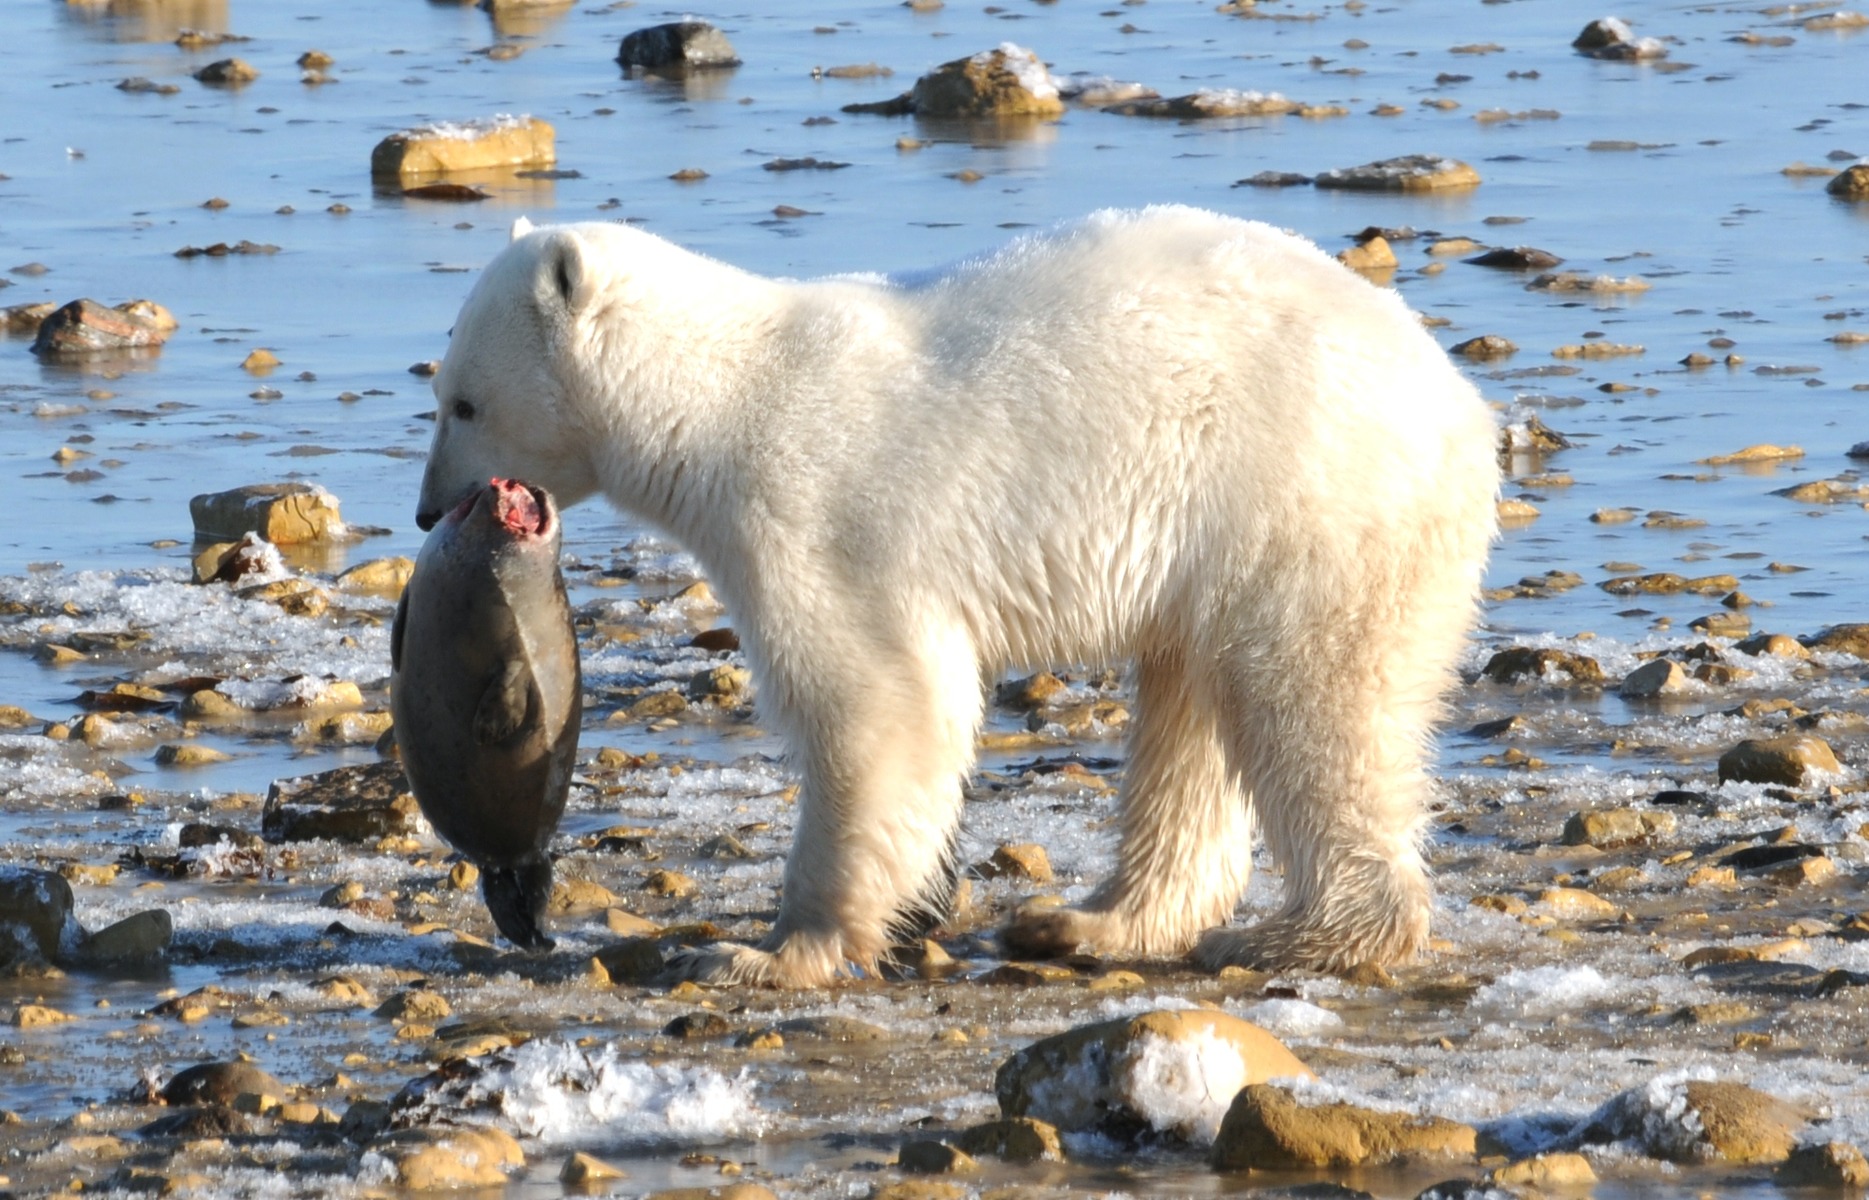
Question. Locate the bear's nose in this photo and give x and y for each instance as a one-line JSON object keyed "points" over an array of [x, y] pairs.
{"points": [[425, 521]]}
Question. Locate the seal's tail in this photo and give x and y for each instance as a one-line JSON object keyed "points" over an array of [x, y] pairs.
{"points": [[516, 897]]}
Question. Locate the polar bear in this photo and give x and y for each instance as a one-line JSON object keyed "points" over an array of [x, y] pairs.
{"points": [[1168, 436]]}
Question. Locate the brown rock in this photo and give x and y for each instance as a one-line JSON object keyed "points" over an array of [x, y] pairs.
{"points": [[418, 1005], [1485, 348], [670, 883], [677, 47], [25, 318], [1851, 184], [1842, 639], [1210, 102], [139, 938], [1787, 759], [1266, 1128], [1655, 678], [1559, 1170], [228, 72], [87, 327], [1609, 828], [1778, 645], [1006, 81], [1015, 1139], [1836, 1166], [1114, 1074], [1410, 173], [1034, 691], [636, 961], [448, 1159], [1515, 663], [909, 1189], [467, 146], [378, 576], [35, 914], [1373, 255], [220, 1083], [346, 804], [1024, 860], [582, 1168], [935, 1158], [1703, 1120], [281, 513]]}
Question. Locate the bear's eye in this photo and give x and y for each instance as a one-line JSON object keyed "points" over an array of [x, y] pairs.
{"points": [[464, 410]]}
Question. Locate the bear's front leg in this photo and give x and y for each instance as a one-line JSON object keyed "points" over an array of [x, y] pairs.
{"points": [[882, 745]]}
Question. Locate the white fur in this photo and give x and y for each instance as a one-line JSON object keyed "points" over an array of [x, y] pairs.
{"points": [[1166, 435]]}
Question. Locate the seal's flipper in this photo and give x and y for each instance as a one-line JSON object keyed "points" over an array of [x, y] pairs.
{"points": [[503, 706], [516, 898]]}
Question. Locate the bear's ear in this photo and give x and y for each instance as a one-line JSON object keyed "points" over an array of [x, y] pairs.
{"points": [[521, 228], [570, 274]]}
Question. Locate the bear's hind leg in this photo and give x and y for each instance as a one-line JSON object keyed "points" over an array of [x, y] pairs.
{"points": [[1186, 851], [1333, 751]]}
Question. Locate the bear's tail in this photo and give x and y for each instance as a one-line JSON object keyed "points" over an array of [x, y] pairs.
{"points": [[516, 897]]}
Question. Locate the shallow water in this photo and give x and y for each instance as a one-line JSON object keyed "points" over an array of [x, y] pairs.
{"points": [[103, 187]]}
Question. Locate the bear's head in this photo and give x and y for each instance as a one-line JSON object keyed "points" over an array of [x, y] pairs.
{"points": [[508, 398]]}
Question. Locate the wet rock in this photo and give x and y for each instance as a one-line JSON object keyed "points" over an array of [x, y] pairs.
{"points": [[670, 883], [378, 576], [199, 1121], [184, 754], [1575, 904], [1025, 860], [280, 513], [1699, 1120], [346, 804], [1842, 639], [1835, 1166], [1033, 691], [35, 915], [1373, 255], [1851, 184], [87, 327], [722, 684], [1516, 258], [139, 939], [1485, 348], [1572, 281], [1609, 828], [1825, 491], [230, 562], [582, 1169], [1170, 1071], [676, 47], [698, 1027], [501, 141], [1762, 453], [139, 85], [1409, 173], [1558, 1170], [1208, 102], [935, 1158], [444, 1159], [1667, 583], [1653, 679], [579, 895], [638, 961], [1611, 38], [831, 1028], [1006, 81], [37, 1016], [1014, 1139], [415, 1005], [228, 72], [220, 1083], [1787, 759], [1266, 1128], [912, 1189], [25, 318], [1517, 663]]}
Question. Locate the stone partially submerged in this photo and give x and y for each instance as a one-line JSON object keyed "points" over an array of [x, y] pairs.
{"points": [[1699, 1120], [495, 142], [1611, 38], [1208, 102], [347, 804], [87, 327], [1409, 173], [1006, 81], [280, 513], [1267, 1129], [676, 47], [1168, 1072]]}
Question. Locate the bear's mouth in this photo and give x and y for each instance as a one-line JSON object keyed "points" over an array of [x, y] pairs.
{"points": [[521, 509]]}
